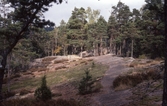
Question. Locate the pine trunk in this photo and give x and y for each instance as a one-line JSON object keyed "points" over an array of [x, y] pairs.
{"points": [[94, 49], [64, 50], [81, 48], [164, 101], [52, 51], [101, 48], [1, 81], [2, 72], [111, 45], [120, 50], [124, 48], [116, 49], [132, 48]]}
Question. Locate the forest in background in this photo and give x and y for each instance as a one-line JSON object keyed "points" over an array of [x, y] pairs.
{"points": [[136, 33]]}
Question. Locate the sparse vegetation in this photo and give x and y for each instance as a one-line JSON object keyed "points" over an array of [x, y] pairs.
{"points": [[15, 76], [24, 92], [72, 74], [97, 86], [60, 61], [60, 67], [48, 58], [143, 56], [56, 94], [41, 69], [8, 94], [133, 78]]}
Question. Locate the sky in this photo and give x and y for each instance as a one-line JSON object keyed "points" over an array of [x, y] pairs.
{"points": [[63, 11]]}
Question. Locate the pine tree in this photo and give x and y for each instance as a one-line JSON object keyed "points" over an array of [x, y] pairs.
{"points": [[26, 14], [62, 36], [153, 29], [122, 14], [92, 41], [86, 84], [77, 35], [43, 92], [101, 34], [112, 33]]}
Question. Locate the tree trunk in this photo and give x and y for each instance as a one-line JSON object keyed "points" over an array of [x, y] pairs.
{"points": [[81, 48], [52, 52], [98, 50], [132, 48], [124, 48], [2, 70], [120, 50], [94, 49], [101, 46], [111, 46], [164, 101], [116, 49], [64, 50]]}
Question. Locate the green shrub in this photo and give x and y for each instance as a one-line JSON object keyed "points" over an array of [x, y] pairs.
{"points": [[43, 92], [86, 84], [143, 56]]}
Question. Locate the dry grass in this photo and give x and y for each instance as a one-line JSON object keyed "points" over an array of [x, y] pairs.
{"points": [[33, 69], [56, 94], [140, 63], [38, 69], [60, 61], [7, 94], [48, 58], [97, 86], [41, 69], [60, 67], [24, 92], [28, 73], [12, 77], [15, 76], [46, 63], [133, 78]]}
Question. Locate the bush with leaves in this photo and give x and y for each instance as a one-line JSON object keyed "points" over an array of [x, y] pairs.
{"points": [[86, 84], [43, 92]]}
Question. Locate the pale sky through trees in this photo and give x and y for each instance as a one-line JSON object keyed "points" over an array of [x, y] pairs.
{"points": [[63, 11]]}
